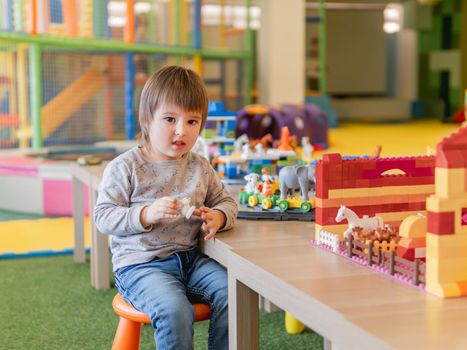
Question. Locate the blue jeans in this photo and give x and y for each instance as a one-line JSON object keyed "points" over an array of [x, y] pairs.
{"points": [[165, 288]]}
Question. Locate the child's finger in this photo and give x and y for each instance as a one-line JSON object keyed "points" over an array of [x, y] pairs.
{"points": [[211, 234], [168, 211], [197, 213], [172, 203], [207, 217]]}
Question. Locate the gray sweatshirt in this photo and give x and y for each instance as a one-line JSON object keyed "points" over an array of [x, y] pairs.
{"points": [[130, 183]]}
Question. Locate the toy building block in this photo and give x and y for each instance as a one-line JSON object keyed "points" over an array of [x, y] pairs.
{"points": [[363, 185], [446, 272], [436, 186], [185, 208], [220, 128], [293, 325], [413, 237]]}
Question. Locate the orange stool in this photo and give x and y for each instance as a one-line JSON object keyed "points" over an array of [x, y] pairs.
{"points": [[129, 327]]}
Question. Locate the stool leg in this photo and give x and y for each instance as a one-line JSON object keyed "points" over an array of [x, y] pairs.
{"points": [[127, 335]]}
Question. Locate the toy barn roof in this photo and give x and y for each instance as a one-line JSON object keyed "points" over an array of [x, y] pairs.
{"points": [[452, 150]]}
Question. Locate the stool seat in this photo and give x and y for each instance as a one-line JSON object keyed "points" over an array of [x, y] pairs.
{"points": [[129, 328], [125, 310]]}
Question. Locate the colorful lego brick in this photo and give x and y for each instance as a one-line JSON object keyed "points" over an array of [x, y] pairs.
{"points": [[405, 253], [441, 223], [452, 151], [422, 189], [450, 182], [425, 162], [436, 203]]}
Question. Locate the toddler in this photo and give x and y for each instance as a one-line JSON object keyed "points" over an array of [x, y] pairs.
{"points": [[158, 265]]}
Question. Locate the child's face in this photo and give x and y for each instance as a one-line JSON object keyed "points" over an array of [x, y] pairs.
{"points": [[173, 132]]}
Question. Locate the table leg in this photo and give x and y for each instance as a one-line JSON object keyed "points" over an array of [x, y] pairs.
{"points": [[327, 345], [79, 255], [243, 316], [100, 277]]}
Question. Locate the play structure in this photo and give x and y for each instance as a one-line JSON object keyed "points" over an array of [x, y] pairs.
{"points": [[72, 70], [408, 74], [301, 120], [36, 186], [426, 202]]}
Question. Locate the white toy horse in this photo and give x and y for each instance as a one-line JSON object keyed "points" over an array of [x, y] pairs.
{"points": [[239, 142], [252, 183], [354, 221]]}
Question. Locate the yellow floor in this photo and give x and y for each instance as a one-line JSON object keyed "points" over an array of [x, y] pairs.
{"points": [[38, 237], [407, 139]]}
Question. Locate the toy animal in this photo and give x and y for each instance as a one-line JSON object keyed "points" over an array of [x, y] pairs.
{"points": [[185, 208], [366, 223], [296, 177], [252, 183]]}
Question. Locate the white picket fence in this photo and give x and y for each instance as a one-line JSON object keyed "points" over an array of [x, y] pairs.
{"points": [[329, 239]]}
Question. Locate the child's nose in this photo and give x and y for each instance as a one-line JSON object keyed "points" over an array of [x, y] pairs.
{"points": [[180, 129]]}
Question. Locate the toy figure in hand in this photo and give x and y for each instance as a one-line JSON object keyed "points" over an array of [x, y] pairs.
{"points": [[185, 208]]}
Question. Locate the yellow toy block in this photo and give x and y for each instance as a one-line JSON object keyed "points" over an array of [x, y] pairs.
{"points": [[336, 202], [421, 189], [413, 226], [349, 193], [445, 269], [448, 290], [379, 191], [396, 216], [292, 325], [317, 229], [437, 204], [450, 183], [447, 245]]}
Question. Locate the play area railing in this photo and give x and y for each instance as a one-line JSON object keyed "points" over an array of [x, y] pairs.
{"points": [[71, 71]]}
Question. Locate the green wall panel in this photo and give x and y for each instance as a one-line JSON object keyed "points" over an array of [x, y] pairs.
{"points": [[454, 95]]}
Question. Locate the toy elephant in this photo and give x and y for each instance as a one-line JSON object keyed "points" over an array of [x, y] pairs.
{"points": [[296, 177]]}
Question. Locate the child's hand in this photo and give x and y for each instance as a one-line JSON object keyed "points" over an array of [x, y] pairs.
{"points": [[162, 208], [213, 221]]}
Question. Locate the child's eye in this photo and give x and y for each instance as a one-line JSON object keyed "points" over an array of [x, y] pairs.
{"points": [[193, 122], [169, 119]]}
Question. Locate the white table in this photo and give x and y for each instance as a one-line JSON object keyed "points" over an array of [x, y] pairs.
{"points": [[350, 305], [90, 176]]}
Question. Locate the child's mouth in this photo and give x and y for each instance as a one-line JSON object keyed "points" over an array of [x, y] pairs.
{"points": [[178, 144]]}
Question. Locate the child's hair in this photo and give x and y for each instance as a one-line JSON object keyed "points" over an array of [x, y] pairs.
{"points": [[173, 85]]}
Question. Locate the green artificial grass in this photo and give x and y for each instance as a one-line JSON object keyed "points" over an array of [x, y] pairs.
{"points": [[48, 303]]}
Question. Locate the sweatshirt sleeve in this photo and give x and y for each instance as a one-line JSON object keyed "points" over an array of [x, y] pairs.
{"points": [[220, 199], [113, 213]]}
